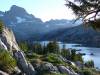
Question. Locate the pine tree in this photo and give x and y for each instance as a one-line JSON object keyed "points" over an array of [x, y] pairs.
{"points": [[88, 10], [73, 55], [53, 47], [38, 48]]}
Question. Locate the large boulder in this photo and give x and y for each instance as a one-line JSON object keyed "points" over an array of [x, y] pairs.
{"points": [[48, 67], [3, 73], [79, 64], [25, 66], [66, 70]]}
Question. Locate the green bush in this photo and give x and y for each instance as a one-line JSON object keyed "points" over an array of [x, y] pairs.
{"points": [[32, 56], [76, 57], [54, 58], [89, 63], [7, 63], [87, 72], [24, 46]]}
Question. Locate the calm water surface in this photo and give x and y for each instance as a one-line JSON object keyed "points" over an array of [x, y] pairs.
{"points": [[88, 51]]}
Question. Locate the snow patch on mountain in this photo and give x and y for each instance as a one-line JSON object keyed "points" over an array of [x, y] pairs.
{"points": [[20, 20]]}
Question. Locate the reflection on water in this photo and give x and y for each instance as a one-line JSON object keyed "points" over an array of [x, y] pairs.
{"points": [[86, 50]]}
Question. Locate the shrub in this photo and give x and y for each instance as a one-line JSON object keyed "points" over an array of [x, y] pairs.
{"points": [[79, 57], [90, 64], [76, 57], [87, 72], [7, 63], [32, 56], [54, 58], [24, 46]]}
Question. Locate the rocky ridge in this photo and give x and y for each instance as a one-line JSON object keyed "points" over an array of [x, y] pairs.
{"points": [[8, 42]]}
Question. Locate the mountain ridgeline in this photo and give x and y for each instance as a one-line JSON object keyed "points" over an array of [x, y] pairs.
{"points": [[78, 34], [27, 27]]}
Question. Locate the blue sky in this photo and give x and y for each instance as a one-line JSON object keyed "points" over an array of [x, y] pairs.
{"points": [[44, 9]]}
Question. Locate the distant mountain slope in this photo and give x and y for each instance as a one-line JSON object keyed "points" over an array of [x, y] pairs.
{"points": [[77, 34], [23, 24], [1, 14], [26, 26]]}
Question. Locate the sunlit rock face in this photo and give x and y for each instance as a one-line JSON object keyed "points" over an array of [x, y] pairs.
{"points": [[49, 67], [8, 42], [2, 45], [67, 70], [23, 64], [3, 73]]}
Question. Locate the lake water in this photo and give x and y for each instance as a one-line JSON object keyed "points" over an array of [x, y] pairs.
{"points": [[86, 50]]}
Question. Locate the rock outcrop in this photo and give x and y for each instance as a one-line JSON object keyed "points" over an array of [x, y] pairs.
{"points": [[8, 42], [2, 45], [66, 70], [46, 66], [23, 64], [3, 73]]}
